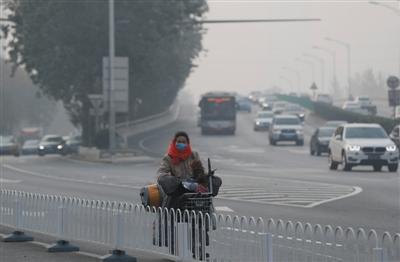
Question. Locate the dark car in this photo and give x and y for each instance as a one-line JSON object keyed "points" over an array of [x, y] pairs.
{"points": [[30, 147], [9, 146], [52, 144], [243, 104], [319, 142], [72, 144]]}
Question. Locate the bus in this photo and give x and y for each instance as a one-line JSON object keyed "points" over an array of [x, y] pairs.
{"points": [[217, 113]]}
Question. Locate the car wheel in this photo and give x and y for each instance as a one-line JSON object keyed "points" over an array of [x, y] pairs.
{"points": [[272, 142], [312, 152], [41, 154], [393, 167], [345, 165], [318, 151], [333, 165], [377, 168]]}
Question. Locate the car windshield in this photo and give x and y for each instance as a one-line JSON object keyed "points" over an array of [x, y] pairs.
{"points": [[365, 132], [326, 132], [293, 108], [31, 142], [363, 98], [265, 115], [287, 121], [334, 123], [53, 139], [279, 105], [6, 140]]}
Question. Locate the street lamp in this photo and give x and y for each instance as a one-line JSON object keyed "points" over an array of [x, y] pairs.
{"points": [[394, 9], [297, 75], [320, 60], [333, 54], [309, 63], [111, 123], [348, 48]]}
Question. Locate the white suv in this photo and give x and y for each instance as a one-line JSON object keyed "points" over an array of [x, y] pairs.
{"points": [[286, 128], [362, 144]]}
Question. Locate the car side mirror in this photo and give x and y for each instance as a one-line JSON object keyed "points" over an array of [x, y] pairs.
{"points": [[338, 137]]}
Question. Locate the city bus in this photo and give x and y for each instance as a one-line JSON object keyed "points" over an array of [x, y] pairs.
{"points": [[217, 113]]}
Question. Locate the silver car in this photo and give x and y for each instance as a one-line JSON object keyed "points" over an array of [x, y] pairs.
{"points": [[286, 128], [263, 120], [362, 144]]}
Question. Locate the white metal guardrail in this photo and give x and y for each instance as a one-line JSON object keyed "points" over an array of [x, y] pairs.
{"points": [[189, 235], [149, 123]]}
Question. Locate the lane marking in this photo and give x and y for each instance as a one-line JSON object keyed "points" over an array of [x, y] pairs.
{"points": [[23, 171], [298, 197], [356, 191], [9, 181], [223, 209]]}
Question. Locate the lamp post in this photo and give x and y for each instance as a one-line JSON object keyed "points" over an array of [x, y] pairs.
{"points": [[111, 123], [312, 66], [297, 73], [333, 54], [348, 48], [394, 9], [321, 61]]}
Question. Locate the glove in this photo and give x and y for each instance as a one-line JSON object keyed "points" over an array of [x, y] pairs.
{"points": [[191, 186]]}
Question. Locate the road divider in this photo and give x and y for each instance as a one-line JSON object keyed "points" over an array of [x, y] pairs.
{"points": [[330, 112]]}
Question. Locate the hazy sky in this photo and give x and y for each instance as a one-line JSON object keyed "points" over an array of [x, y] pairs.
{"points": [[244, 57]]}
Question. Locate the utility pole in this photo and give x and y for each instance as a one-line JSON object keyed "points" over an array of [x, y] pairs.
{"points": [[333, 54], [348, 48], [111, 123], [322, 88]]}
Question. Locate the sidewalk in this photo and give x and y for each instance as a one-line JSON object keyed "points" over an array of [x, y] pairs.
{"points": [[36, 251]]}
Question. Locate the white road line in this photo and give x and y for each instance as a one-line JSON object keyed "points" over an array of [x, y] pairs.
{"points": [[292, 196], [64, 178], [356, 191], [223, 209], [9, 181]]}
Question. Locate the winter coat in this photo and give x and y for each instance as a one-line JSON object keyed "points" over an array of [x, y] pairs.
{"points": [[170, 177]]}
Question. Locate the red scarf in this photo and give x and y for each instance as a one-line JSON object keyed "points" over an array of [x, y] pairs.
{"points": [[178, 156]]}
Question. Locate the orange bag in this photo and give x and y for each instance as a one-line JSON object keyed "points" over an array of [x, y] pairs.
{"points": [[150, 195]]}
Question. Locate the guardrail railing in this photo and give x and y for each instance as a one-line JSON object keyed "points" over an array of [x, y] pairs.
{"points": [[189, 235]]}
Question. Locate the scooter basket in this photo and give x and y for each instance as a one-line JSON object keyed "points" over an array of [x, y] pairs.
{"points": [[198, 202]]}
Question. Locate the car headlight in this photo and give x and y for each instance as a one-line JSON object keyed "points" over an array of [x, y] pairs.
{"points": [[353, 148], [299, 132], [391, 148], [60, 147], [301, 115], [41, 147], [258, 123]]}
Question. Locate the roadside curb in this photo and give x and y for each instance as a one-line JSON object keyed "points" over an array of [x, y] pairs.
{"points": [[114, 160]]}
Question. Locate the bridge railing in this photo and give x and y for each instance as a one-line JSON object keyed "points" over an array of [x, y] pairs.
{"points": [[189, 235]]}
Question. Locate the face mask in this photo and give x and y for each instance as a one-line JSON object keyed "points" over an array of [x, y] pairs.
{"points": [[180, 146]]}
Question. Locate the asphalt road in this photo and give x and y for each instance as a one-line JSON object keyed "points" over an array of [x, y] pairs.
{"points": [[259, 180]]}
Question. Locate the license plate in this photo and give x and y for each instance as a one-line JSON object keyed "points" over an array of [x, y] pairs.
{"points": [[374, 157]]}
